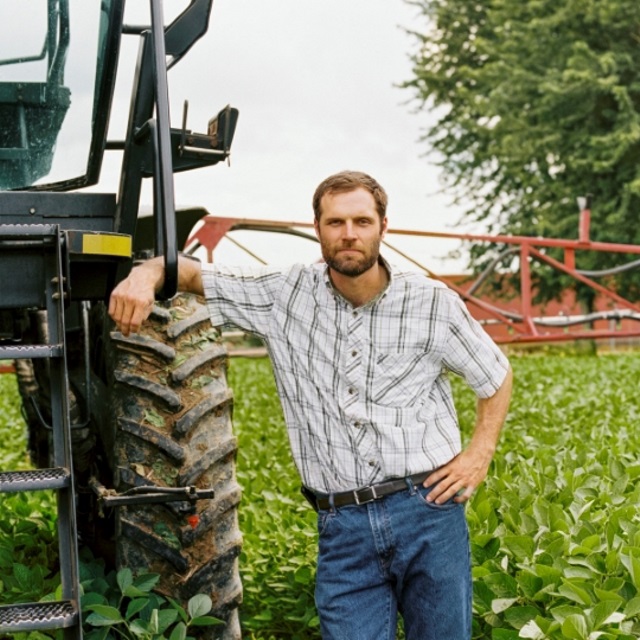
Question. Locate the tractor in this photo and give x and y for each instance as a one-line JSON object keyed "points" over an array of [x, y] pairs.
{"points": [[133, 434]]}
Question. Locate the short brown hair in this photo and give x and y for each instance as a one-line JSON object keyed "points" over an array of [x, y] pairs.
{"points": [[346, 181]]}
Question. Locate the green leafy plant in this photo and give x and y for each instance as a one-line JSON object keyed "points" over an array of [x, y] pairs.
{"points": [[121, 605], [555, 529]]}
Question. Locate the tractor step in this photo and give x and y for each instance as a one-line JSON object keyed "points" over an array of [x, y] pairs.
{"points": [[25, 231], [34, 480], [44, 289], [32, 616], [18, 352]]}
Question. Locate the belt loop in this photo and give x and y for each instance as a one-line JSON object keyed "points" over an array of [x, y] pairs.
{"points": [[332, 504], [411, 486]]}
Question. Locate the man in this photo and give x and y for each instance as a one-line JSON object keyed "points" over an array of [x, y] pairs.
{"points": [[361, 353]]}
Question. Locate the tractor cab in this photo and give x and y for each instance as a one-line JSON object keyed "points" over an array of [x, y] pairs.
{"points": [[33, 98], [54, 78]]}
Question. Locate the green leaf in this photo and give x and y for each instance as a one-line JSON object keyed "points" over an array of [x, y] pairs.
{"points": [[563, 611], [167, 535], [179, 632], [92, 598], [633, 607], [199, 605], [135, 606], [124, 578], [103, 615], [529, 583], [146, 581], [99, 633], [575, 593], [154, 624], [205, 621], [201, 381], [22, 575], [154, 418], [166, 617], [181, 612], [532, 631], [634, 562], [134, 592], [140, 628], [96, 620], [575, 627], [304, 575], [106, 611], [602, 594], [504, 634], [502, 604], [548, 575], [521, 546], [602, 612], [519, 616], [502, 585]]}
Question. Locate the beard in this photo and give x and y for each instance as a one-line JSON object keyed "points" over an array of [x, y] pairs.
{"points": [[354, 264]]}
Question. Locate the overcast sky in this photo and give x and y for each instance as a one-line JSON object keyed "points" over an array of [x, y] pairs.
{"points": [[316, 84]]}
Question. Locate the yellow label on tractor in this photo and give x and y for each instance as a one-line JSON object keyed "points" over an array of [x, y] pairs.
{"points": [[106, 244]]}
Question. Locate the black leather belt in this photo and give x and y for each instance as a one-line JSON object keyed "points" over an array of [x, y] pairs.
{"points": [[363, 495]]}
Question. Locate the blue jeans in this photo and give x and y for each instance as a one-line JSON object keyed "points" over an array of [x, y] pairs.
{"points": [[398, 554]]}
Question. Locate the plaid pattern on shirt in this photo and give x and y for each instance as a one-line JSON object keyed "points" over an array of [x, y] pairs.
{"points": [[365, 390]]}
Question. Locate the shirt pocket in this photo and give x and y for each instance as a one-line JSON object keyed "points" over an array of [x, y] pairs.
{"points": [[399, 378]]}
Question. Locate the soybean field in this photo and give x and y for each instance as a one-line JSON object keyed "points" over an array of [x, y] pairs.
{"points": [[555, 529]]}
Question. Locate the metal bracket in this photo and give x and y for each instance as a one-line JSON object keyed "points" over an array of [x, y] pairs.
{"points": [[212, 137], [147, 494]]}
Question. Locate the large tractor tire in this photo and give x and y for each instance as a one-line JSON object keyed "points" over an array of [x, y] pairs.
{"points": [[170, 426]]}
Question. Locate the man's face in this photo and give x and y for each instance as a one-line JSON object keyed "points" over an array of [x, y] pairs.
{"points": [[349, 231]]}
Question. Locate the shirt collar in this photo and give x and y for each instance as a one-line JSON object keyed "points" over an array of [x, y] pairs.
{"points": [[333, 291]]}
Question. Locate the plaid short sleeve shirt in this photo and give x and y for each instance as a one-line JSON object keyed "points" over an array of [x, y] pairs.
{"points": [[365, 390]]}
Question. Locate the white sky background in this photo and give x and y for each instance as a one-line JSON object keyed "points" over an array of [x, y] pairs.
{"points": [[315, 82]]}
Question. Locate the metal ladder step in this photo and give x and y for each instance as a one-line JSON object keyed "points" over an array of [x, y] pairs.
{"points": [[32, 616], [21, 231], [46, 244], [34, 480], [18, 352]]}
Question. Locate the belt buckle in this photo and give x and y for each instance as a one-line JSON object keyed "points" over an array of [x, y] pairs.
{"points": [[357, 492]]}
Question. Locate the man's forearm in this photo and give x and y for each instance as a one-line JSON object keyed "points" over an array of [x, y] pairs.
{"points": [[490, 416], [467, 470], [132, 300], [189, 274]]}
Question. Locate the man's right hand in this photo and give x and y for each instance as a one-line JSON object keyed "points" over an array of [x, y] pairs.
{"points": [[132, 300]]}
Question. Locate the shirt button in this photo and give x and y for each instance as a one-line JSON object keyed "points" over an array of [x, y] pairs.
{"points": [[372, 463], [355, 314], [357, 425], [354, 353], [352, 390]]}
